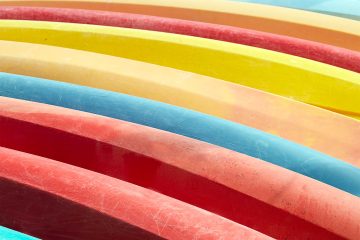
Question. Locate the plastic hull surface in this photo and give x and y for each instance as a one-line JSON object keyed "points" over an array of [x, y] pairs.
{"points": [[289, 22], [334, 135], [182, 168], [307, 49], [188, 123], [308, 81], [65, 201]]}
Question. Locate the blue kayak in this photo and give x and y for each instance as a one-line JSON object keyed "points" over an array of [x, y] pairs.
{"points": [[188, 123], [342, 8], [8, 234]]}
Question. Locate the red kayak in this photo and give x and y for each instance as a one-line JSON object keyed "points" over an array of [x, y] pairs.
{"points": [[270, 199], [53, 200], [332, 55]]}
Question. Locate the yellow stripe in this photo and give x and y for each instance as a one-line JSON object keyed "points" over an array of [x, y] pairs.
{"points": [[334, 134], [301, 79], [291, 22]]}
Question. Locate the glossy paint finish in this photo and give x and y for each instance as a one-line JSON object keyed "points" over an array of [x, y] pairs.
{"points": [[8, 234], [254, 193], [187, 123], [301, 79], [290, 22], [335, 134], [54, 200], [329, 54]]}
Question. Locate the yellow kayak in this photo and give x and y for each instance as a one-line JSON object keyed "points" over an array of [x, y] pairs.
{"points": [[291, 22], [271, 113], [297, 78]]}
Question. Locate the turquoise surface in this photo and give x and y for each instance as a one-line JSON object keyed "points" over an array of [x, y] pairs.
{"points": [[8, 234], [342, 8], [188, 123]]}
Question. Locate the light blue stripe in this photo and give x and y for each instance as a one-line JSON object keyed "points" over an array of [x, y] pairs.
{"points": [[8, 234], [189, 123], [343, 8]]}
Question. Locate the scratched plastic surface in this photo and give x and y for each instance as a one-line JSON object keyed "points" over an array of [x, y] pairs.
{"points": [[188, 123], [183, 168], [57, 201]]}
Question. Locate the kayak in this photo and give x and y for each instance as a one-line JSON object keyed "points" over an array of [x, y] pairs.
{"points": [[289, 22], [308, 81], [332, 55], [188, 123], [74, 203], [8, 234], [344, 8], [286, 118], [182, 168]]}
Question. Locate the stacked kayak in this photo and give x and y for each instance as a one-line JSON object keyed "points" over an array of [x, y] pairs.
{"points": [[217, 119]]}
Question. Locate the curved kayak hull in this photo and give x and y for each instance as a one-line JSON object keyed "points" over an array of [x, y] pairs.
{"points": [[75, 203], [289, 22], [280, 116], [332, 55], [182, 168], [308, 81], [187, 123]]}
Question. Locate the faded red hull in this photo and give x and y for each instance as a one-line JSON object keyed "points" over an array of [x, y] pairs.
{"points": [[183, 168], [54, 201]]}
